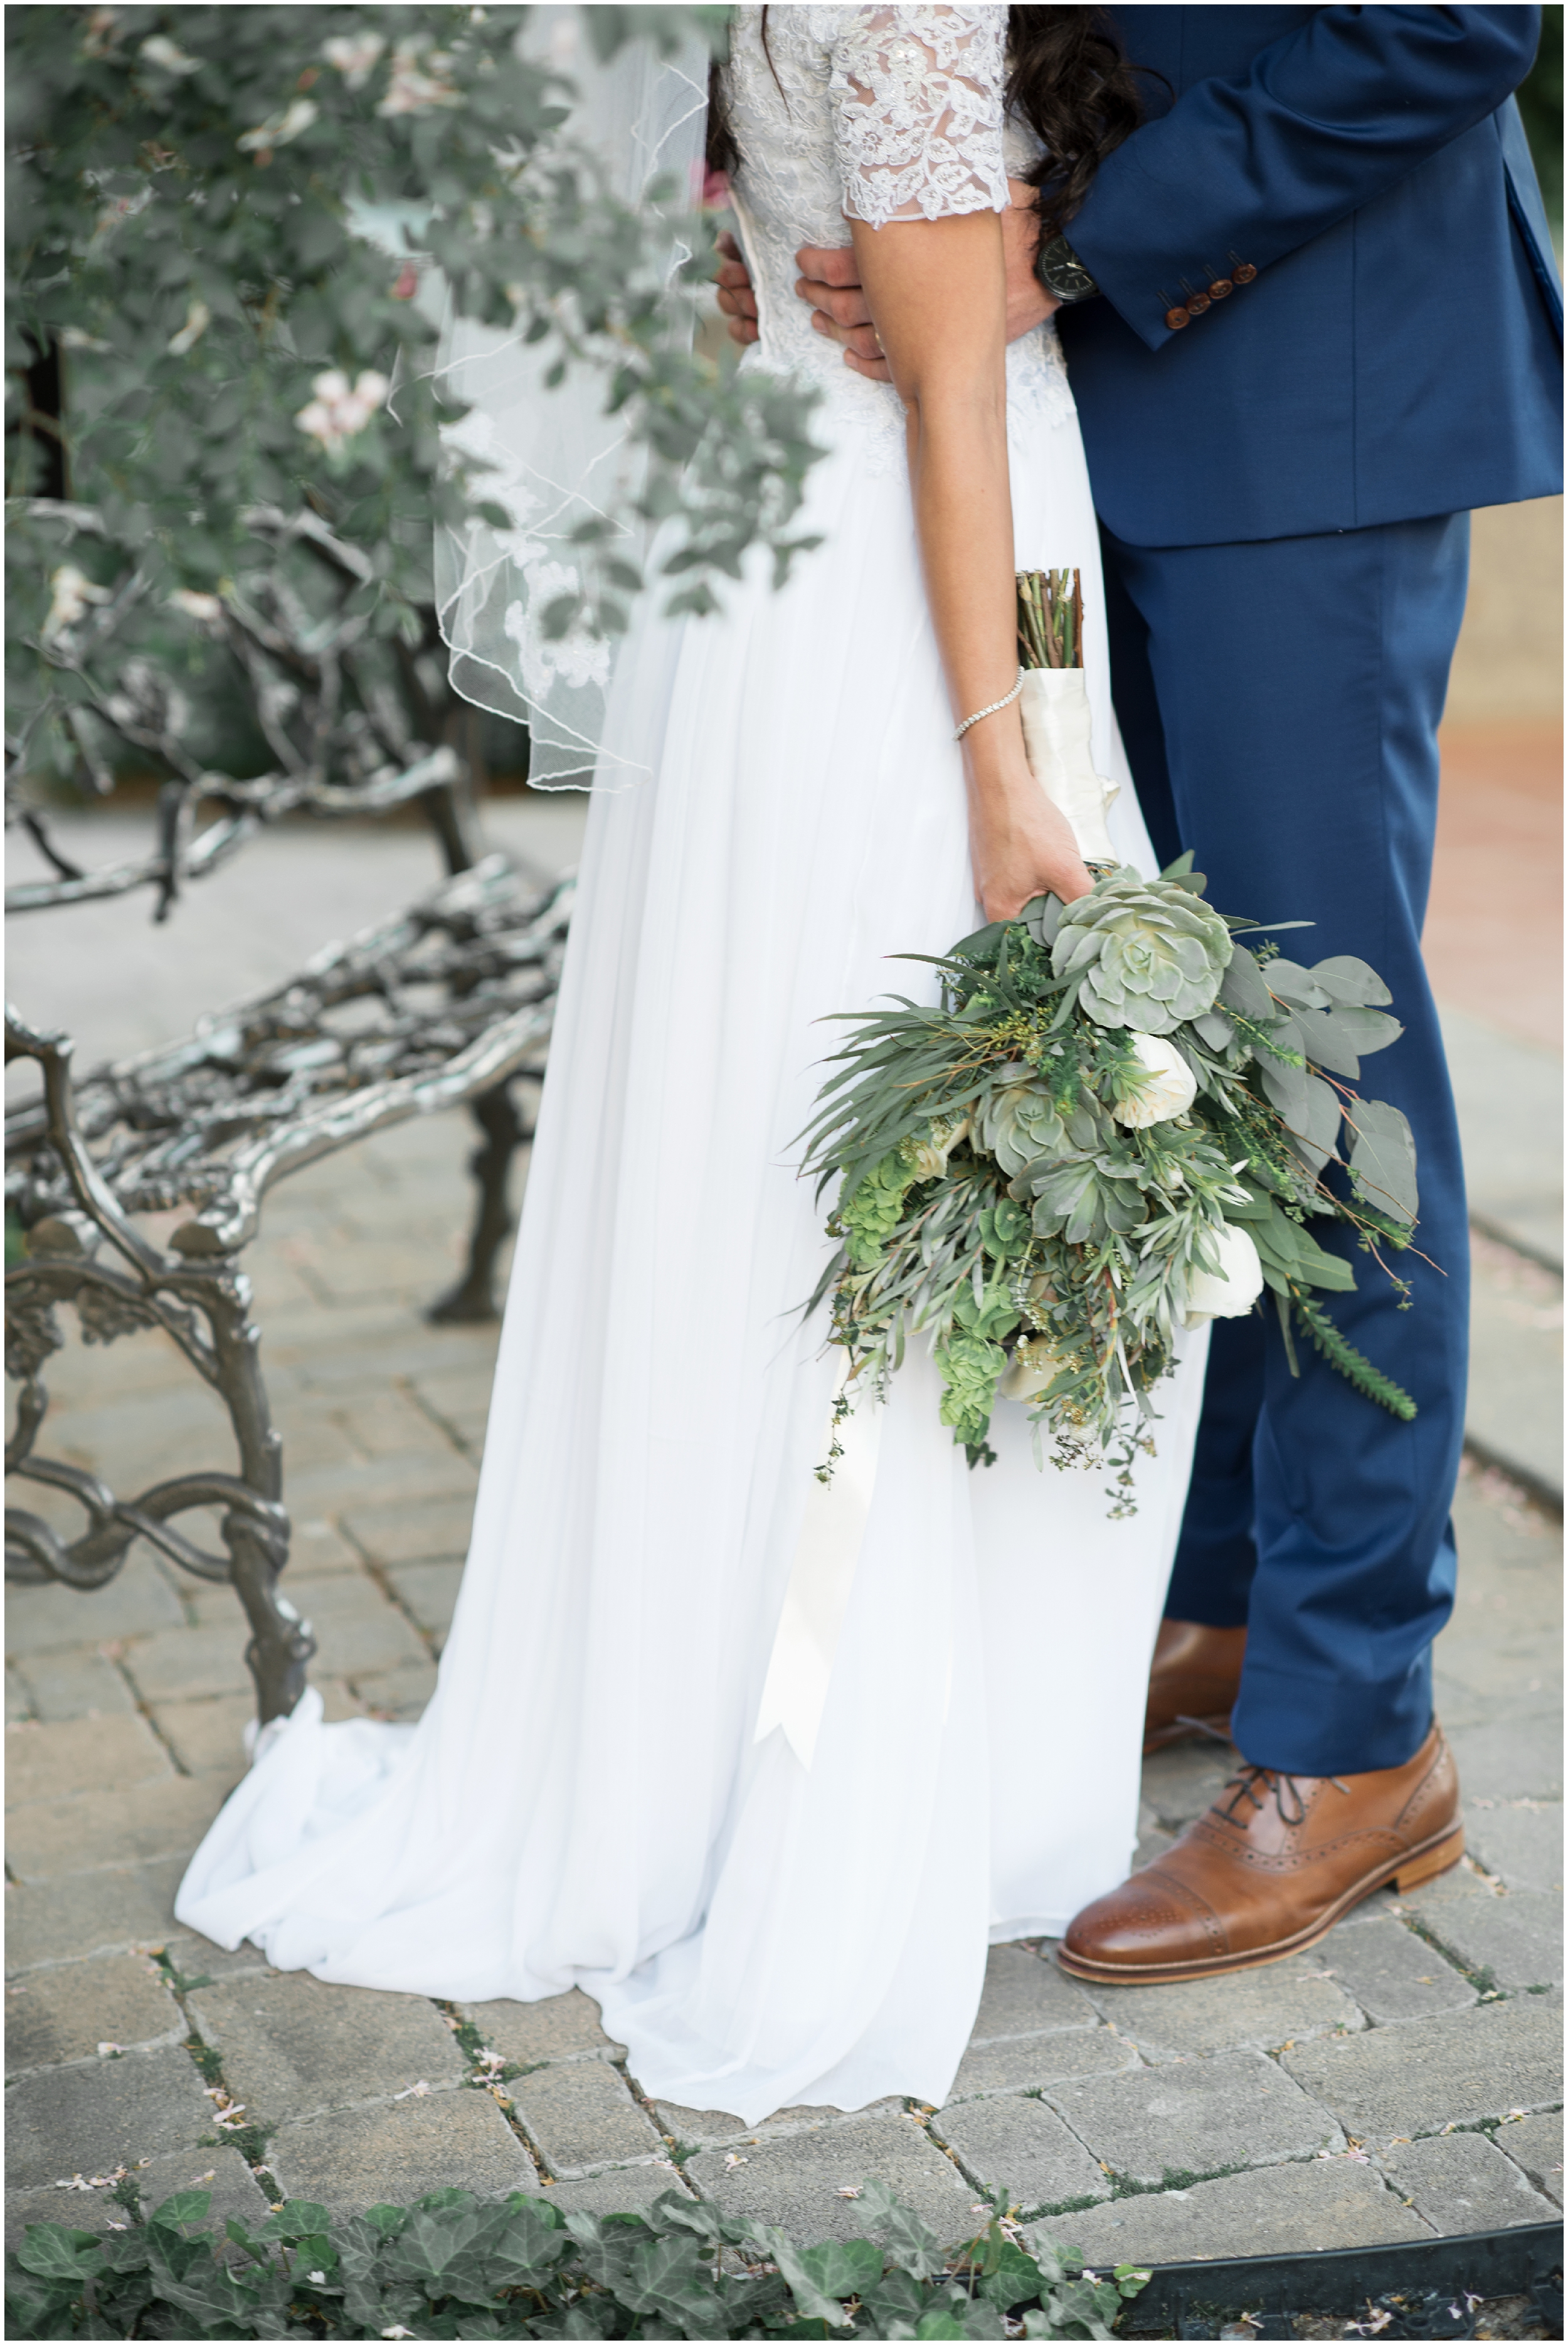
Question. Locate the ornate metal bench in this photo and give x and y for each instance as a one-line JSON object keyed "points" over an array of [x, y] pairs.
{"points": [[440, 1006]]}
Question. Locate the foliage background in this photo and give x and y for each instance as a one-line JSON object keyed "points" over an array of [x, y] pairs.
{"points": [[184, 265]]}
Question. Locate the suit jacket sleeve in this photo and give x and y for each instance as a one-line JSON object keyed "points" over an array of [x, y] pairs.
{"points": [[1245, 169]]}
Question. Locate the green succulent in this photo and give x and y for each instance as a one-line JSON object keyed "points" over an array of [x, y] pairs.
{"points": [[872, 1213], [1019, 1123], [1150, 954], [969, 1366], [972, 1358]]}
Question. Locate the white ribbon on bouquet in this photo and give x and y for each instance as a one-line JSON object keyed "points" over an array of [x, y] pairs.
{"points": [[800, 1671], [1055, 707]]}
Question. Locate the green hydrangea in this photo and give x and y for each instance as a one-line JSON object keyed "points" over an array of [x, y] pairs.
{"points": [[1150, 954]]}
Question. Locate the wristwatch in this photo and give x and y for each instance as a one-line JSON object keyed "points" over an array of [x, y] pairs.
{"points": [[1061, 272]]}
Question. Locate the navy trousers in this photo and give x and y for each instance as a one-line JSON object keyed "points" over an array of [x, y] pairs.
{"points": [[1280, 703]]}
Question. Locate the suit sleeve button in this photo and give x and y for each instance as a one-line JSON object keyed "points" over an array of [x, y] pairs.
{"points": [[1196, 303], [1220, 288], [1176, 319], [1243, 274]]}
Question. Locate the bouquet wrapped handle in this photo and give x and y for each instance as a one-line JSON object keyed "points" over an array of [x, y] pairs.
{"points": [[1056, 741], [1055, 707]]}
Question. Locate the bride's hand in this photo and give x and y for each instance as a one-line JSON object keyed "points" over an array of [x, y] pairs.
{"points": [[1020, 845]]}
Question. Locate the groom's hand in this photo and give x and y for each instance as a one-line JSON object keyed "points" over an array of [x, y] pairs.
{"points": [[737, 300], [830, 281]]}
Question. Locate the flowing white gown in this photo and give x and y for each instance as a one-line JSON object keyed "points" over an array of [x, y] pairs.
{"points": [[587, 1799]]}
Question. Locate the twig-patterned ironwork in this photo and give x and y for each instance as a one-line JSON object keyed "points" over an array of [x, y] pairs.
{"points": [[353, 721], [442, 1006]]}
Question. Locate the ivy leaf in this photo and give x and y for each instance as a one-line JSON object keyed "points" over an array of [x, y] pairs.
{"points": [[386, 2220], [670, 2211], [53, 2252], [1017, 2279], [529, 2248], [434, 2245], [666, 2278], [297, 2218], [897, 2297], [843, 2268], [812, 2302], [187, 2207], [912, 2243]]}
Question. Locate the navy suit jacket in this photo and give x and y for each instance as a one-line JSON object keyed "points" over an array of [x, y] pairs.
{"points": [[1397, 353]]}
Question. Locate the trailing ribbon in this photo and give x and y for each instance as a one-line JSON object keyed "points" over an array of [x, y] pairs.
{"points": [[821, 1576]]}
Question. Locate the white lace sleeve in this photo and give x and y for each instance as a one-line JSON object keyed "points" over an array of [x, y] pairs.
{"points": [[918, 112]]}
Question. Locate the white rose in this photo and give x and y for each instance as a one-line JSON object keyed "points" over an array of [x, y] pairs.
{"points": [[1169, 1086], [929, 1156], [1230, 1294]]}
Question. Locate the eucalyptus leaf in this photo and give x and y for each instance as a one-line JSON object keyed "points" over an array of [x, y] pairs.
{"points": [[1315, 1126], [1284, 1087], [1346, 980], [1327, 1043], [1383, 1158], [1289, 982], [1242, 988], [1215, 1029], [1368, 1030]]}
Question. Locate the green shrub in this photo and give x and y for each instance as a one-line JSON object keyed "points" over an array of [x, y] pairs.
{"points": [[454, 2265], [193, 199]]}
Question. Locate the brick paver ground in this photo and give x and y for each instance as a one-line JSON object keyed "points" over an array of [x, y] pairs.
{"points": [[1396, 2081], [1403, 2079]]}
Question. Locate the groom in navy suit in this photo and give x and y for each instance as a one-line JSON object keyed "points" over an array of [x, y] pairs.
{"points": [[1311, 317]]}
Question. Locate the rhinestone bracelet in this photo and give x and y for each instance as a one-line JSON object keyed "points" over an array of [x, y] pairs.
{"points": [[996, 705]]}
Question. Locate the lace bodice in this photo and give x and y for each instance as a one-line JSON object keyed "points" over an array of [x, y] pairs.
{"points": [[878, 114]]}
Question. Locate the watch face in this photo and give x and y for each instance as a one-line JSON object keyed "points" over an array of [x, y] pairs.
{"points": [[1061, 271]]}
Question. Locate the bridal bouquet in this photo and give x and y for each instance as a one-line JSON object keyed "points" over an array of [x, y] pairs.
{"points": [[1115, 1125]]}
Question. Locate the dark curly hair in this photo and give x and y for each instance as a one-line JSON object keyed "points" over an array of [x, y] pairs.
{"points": [[1069, 79], [1067, 76]]}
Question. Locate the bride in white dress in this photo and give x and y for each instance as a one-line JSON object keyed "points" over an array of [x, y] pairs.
{"points": [[787, 1900]]}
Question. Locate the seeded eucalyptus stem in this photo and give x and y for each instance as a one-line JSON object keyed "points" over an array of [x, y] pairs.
{"points": [[1050, 618]]}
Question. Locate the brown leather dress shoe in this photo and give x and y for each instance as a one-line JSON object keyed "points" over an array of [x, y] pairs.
{"points": [[1193, 1683], [1270, 1868]]}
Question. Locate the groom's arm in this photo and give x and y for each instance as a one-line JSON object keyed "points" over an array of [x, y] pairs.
{"points": [[1245, 168]]}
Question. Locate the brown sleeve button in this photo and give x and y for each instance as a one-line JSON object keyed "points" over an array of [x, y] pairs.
{"points": [[1243, 274], [1196, 303], [1176, 319], [1220, 288]]}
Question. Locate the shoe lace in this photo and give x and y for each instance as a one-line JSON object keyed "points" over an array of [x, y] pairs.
{"points": [[1258, 1785]]}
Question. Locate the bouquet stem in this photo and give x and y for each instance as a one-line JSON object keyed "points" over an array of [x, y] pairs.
{"points": [[1050, 618], [1054, 711]]}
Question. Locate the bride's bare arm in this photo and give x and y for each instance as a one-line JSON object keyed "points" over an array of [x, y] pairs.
{"points": [[938, 293]]}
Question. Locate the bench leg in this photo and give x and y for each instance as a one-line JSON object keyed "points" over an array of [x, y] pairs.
{"points": [[281, 1644], [472, 1300]]}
